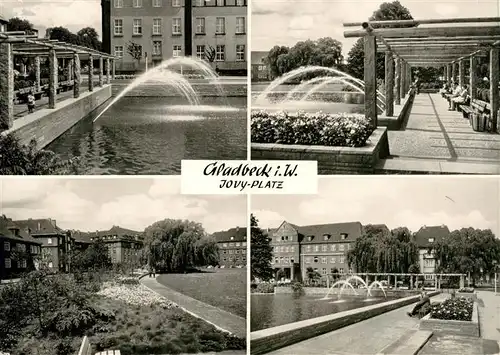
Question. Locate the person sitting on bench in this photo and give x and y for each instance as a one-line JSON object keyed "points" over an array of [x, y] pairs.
{"points": [[424, 299], [460, 99], [455, 93], [31, 102], [444, 89]]}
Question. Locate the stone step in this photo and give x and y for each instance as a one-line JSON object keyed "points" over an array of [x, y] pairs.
{"points": [[408, 344]]}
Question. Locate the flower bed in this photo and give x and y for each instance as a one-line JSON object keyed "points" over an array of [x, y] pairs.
{"points": [[263, 287], [137, 295], [322, 129], [458, 308]]}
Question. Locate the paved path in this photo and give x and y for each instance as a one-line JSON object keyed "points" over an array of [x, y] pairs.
{"points": [[222, 319], [367, 337], [489, 315], [434, 132]]}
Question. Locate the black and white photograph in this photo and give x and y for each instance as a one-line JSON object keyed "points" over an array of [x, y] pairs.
{"points": [[374, 87], [121, 87], [122, 267], [377, 266]]}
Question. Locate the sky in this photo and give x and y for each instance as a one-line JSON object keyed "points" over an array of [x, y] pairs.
{"points": [[286, 22], [91, 204], [397, 202]]}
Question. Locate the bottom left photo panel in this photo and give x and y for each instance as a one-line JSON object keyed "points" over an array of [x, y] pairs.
{"points": [[124, 266]]}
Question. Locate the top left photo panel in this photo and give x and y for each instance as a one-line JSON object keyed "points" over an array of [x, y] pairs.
{"points": [[121, 87]]}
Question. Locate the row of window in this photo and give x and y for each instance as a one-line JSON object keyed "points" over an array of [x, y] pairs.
{"points": [[220, 26], [324, 259], [316, 248], [21, 264], [234, 251], [332, 271], [310, 238], [34, 249], [244, 259], [118, 4], [236, 244]]}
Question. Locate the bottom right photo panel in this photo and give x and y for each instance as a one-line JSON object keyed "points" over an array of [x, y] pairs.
{"points": [[377, 265]]}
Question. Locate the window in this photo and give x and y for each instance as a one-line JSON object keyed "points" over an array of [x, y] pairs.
{"points": [[157, 26], [137, 3], [21, 264], [333, 270], [308, 248], [200, 25], [282, 249], [333, 260], [220, 53], [341, 271], [240, 25], [240, 52], [323, 260], [176, 3], [316, 248], [292, 260], [21, 247], [243, 244], [200, 3], [137, 27], [341, 259], [221, 2], [118, 4], [50, 264], [431, 240], [156, 48], [333, 247], [240, 2], [341, 247], [316, 259], [237, 244], [176, 50], [343, 236], [118, 27], [6, 246], [224, 245], [220, 25], [324, 248], [323, 271], [308, 260], [8, 263], [49, 240], [287, 249], [287, 260], [292, 249], [156, 3], [176, 26]]}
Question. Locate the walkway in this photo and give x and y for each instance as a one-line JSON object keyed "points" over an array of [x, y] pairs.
{"points": [[434, 132], [222, 319]]}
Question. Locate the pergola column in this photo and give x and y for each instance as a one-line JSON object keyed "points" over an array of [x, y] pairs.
{"points": [[108, 76], [461, 72], [370, 76], [494, 78], [454, 72], [473, 77], [402, 86], [113, 63], [389, 84], [6, 86], [445, 73], [91, 72], [101, 71], [449, 72], [77, 76], [397, 84], [408, 77], [70, 69], [37, 74], [52, 78]]}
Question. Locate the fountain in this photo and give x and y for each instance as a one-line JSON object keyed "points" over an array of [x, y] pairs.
{"points": [[347, 282], [341, 282], [376, 283]]}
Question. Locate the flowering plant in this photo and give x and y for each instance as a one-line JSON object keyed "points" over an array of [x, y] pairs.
{"points": [[137, 295], [338, 130], [459, 308], [466, 290]]}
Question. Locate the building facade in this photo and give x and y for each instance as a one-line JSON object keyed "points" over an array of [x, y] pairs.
{"points": [[232, 247], [322, 248], [123, 245], [56, 243], [425, 239], [260, 68], [19, 252], [214, 30]]}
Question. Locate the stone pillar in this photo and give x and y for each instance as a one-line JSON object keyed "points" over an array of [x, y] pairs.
{"points": [[408, 77], [113, 63], [77, 76], [101, 71], [395, 281], [6, 86], [462, 282], [389, 84], [445, 73], [366, 279], [435, 282], [473, 77], [461, 72], [494, 95], [397, 84], [449, 71], [454, 72], [411, 282], [108, 76], [70, 69], [37, 74], [402, 86], [52, 78], [91, 72], [370, 76]]}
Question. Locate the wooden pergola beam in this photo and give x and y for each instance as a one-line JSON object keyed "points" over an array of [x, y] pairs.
{"points": [[426, 21], [478, 39], [427, 31]]}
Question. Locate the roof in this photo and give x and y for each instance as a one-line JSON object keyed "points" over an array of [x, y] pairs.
{"points": [[2, 19], [437, 232], [258, 56], [118, 231], [81, 237], [40, 226], [352, 229], [6, 230], [237, 234]]}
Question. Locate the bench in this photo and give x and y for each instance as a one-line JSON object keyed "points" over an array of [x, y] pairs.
{"points": [[86, 349]]}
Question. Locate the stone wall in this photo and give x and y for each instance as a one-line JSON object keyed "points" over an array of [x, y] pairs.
{"points": [[321, 291], [46, 125], [203, 90], [453, 327], [331, 160]]}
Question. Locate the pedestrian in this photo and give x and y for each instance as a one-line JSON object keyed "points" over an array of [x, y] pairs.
{"points": [[31, 102], [424, 299], [153, 271]]}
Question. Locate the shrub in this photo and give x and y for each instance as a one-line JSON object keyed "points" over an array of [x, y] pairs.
{"points": [[453, 309], [340, 130], [466, 290], [264, 287], [128, 281], [297, 287]]}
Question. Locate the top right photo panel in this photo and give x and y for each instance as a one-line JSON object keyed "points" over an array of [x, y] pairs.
{"points": [[373, 87]]}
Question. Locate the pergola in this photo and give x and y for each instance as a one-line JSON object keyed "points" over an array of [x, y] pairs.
{"points": [[18, 43], [427, 43]]}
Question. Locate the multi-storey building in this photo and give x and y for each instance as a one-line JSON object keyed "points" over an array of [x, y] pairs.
{"points": [[214, 30], [260, 69], [123, 244], [232, 247], [426, 238], [18, 251], [321, 247], [56, 243]]}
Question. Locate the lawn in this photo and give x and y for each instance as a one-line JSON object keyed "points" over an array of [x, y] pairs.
{"points": [[222, 288]]}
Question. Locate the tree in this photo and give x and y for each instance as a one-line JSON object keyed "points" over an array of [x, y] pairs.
{"points": [[61, 34], [179, 246], [272, 59], [95, 257], [312, 275], [355, 59], [210, 53], [17, 24], [88, 37], [261, 252], [135, 51]]}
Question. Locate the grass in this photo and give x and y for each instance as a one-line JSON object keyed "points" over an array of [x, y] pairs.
{"points": [[222, 288]]}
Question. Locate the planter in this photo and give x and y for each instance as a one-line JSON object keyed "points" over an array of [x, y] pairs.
{"points": [[331, 160], [453, 327]]}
